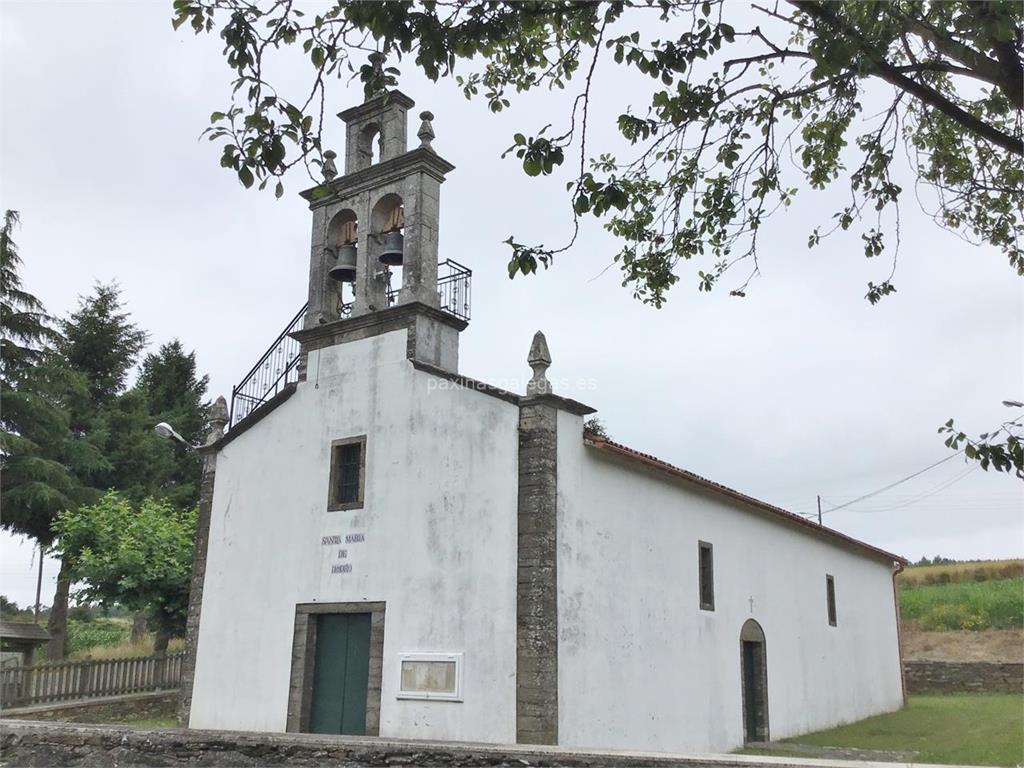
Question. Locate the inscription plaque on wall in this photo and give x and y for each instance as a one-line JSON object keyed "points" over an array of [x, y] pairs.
{"points": [[341, 542], [434, 676]]}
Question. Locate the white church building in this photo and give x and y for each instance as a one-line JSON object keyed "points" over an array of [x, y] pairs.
{"points": [[388, 547]]}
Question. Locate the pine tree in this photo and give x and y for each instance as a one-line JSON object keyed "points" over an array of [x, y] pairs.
{"points": [[100, 345], [36, 394], [175, 394], [102, 342], [38, 454], [27, 329]]}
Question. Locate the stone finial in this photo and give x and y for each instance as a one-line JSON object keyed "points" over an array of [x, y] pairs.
{"points": [[330, 169], [426, 131], [539, 360], [218, 420]]}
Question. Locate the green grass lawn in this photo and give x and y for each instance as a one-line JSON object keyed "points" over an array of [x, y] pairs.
{"points": [[975, 605], [971, 729]]}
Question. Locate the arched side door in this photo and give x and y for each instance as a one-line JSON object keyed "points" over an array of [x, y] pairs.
{"points": [[754, 675]]}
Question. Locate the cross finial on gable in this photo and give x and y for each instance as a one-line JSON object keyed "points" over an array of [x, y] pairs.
{"points": [[539, 360]]}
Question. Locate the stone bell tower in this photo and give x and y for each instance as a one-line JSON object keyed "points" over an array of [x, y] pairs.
{"points": [[380, 214]]}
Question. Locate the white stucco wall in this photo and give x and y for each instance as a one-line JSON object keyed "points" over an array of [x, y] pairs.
{"points": [[641, 666], [440, 527]]}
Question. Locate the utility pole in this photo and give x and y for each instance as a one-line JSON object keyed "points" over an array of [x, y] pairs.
{"points": [[819, 509], [39, 583]]}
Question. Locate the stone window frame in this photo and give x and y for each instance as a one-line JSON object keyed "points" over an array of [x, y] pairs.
{"points": [[333, 505], [830, 599], [300, 684], [706, 589]]}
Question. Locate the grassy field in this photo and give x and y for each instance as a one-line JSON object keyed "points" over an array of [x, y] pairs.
{"points": [[971, 729], [86, 635], [974, 605], [127, 649], [110, 639], [983, 570]]}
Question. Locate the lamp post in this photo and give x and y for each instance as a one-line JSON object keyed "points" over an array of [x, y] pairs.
{"points": [[167, 432]]}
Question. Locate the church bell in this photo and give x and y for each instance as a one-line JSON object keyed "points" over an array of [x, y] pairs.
{"points": [[344, 271], [394, 247]]}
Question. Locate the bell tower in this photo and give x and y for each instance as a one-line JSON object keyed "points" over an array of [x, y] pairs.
{"points": [[379, 220]]}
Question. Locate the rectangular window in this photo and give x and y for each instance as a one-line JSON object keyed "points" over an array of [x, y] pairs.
{"points": [[830, 596], [434, 676], [349, 462], [706, 574], [348, 473]]}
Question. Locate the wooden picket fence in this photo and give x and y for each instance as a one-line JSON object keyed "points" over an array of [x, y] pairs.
{"points": [[67, 681]]}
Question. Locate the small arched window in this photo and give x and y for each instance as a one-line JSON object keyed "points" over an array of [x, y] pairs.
{"points": [[371, 141]]}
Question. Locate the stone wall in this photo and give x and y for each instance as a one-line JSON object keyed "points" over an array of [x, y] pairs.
{"points": [[62, 744], [964, 677], [108, 709]]}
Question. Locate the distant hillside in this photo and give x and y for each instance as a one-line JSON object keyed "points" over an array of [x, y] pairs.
{"points": [[978, 570]]}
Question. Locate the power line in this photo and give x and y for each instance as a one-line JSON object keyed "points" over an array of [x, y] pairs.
{"points": [[893, 485], [925, 495]]}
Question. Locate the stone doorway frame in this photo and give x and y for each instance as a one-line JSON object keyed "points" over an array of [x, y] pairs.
{"points": [[300, 684], [752, 632]]}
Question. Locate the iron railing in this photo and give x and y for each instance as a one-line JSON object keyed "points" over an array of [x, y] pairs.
{"points": [[453, 291], [453, 288], [279, 365]]}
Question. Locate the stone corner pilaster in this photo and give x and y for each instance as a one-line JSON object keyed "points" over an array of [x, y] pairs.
{"points": [[537, 576]]}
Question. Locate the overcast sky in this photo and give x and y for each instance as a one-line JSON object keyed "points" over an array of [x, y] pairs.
{"points": [[800, 389]]}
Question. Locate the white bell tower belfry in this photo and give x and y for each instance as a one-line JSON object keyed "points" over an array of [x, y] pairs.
{"points": [[380, 214]]}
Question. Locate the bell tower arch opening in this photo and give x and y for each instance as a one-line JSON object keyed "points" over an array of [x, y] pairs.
{"points": [[387, 222], [371, 145], [341, 252], [754, 677]]}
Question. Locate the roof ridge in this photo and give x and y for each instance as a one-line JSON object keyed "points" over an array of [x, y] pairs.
{"points": [[604, 443]]}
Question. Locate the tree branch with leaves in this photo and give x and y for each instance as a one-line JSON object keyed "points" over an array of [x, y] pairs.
{"points": [[1002, 449], [742, 114]]}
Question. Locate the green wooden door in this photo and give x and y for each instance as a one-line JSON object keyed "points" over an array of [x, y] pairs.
{"points": [[750, 690], [341, 673]]}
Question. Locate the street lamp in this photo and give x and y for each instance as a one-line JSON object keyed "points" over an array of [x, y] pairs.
{"points": [[167, 432]]}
